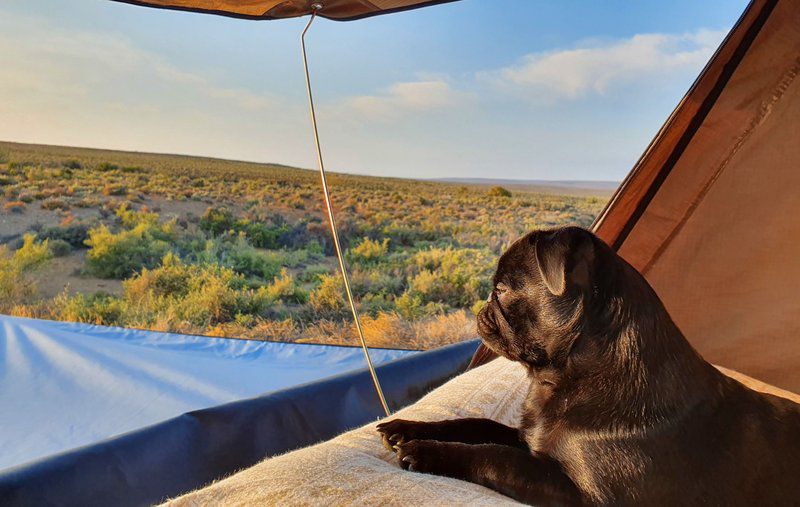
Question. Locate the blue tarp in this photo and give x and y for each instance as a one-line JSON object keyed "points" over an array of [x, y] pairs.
{"points": [[64, 385], [151, 464]]}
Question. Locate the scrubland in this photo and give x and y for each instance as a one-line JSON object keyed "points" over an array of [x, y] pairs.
{"points": [[243, 250]]}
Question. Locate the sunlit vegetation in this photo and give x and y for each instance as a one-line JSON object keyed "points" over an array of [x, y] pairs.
{"points": [[243, 250]]}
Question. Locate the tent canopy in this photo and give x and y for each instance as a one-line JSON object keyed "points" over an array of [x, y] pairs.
{"points": [[339, 10]]}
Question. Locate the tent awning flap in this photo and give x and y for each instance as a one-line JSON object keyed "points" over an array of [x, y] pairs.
{"points": [[340, 10]]}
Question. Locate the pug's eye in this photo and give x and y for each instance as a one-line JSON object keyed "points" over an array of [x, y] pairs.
{"points": [[500, 288]]}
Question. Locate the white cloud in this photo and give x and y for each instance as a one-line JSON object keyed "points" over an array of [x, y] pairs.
{"points": [[404, 98], [94, 88], [61, 62], [600, 67]]}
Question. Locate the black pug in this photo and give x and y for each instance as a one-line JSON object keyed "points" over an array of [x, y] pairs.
{"points": [[621, 409]]}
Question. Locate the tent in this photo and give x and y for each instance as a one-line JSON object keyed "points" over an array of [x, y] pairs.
{"points": [[708, 215]]}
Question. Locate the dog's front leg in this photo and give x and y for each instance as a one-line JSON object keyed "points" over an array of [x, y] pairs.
{"points": [[466, 431], [508, 470]]}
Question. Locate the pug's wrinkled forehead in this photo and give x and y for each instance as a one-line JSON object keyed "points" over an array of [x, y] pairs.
{"points": [[517, 266]]}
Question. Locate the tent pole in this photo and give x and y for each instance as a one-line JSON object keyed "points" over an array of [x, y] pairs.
{"points": [[315, 7]]}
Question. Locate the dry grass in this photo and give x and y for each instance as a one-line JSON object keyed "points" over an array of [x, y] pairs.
{"points": [[391, 331]]}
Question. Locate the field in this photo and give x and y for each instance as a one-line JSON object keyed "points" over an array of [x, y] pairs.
{"points": [[243, 250]]}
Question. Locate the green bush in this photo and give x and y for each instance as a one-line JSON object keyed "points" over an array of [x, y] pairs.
{"points": [[454, 277], [200, 295], [216, 220], [261, 235], [284, 288], [131, 218], [369, 251], [60, 248], [498, 192], [74, 234], [100, 308], [106, 167], [16, 287], [328, 298], [31, 256], [120, 255], [250, 262]]}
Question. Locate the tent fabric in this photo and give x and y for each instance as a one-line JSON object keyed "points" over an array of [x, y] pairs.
{"points": [[79, 384], [710, 213], [355, 468], [167, 459], [339, 10]]}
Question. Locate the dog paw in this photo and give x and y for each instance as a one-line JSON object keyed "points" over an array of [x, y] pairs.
{"points": [[399, 431], [424, 456]]}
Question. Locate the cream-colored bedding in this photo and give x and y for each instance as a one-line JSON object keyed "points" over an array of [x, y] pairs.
{"points": [[355, 469]]}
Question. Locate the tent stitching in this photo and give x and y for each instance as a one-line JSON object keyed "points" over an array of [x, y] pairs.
{"points": [[764, 110], [708, 103]]}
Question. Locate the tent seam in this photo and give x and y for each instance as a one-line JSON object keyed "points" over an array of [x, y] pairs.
{"points": [[764, 110]]}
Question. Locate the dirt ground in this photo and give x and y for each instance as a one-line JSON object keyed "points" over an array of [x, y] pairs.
{"points": [[65, 273]]}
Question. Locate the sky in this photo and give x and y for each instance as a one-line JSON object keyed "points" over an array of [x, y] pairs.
{"points": [[520, 89]]}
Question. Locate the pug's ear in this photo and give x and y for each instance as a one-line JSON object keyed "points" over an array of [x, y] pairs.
{"points": [[565, 257]]}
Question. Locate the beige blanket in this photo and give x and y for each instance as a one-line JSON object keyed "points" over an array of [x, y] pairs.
{"points": [[355, 468]]}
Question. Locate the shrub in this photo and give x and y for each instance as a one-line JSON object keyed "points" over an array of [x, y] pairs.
{"points": [[370, 251], [374, 282], [54, 203], [248, 261], [60, 248], [262, 235], [176, 293], [284, 288], [106, 167], [74, 234], [217, 220], [410, 306], [100, 308], [114, 189], [15, 285], [454, 277], [32, 255], [498, 192], [328, 298], [14, 207], [122, 254], [132, 218]]}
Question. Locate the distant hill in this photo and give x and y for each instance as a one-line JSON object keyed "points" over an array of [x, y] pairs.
{"points": [[600, 188]]}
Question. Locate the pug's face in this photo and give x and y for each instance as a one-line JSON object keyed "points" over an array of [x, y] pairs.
{"points": [[536, 309]]}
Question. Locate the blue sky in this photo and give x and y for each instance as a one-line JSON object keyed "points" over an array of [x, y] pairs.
{"points": [[477, 88]]}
